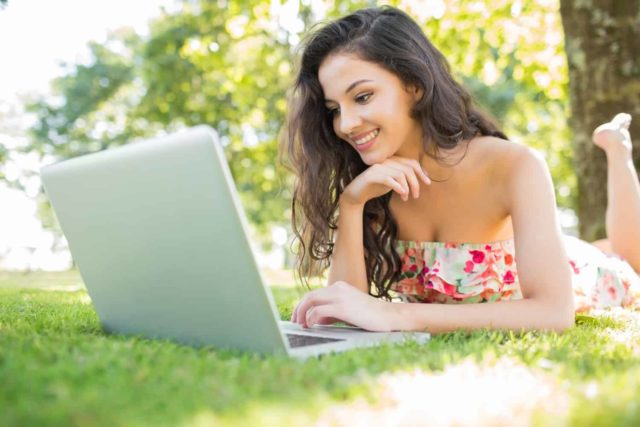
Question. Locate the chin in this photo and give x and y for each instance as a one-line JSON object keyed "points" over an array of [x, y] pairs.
{"points": [[368, 161], [371, 159]]}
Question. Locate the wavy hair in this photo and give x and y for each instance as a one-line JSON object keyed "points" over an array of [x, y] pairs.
{"points": [[324, 165]]}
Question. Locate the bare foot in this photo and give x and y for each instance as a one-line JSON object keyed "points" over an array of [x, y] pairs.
{"points": [[615, 134]]}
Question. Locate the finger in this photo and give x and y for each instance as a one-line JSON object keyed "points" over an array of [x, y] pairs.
{"points": [[417, 167], [299, 312], [413, 182], [295, 318], [322, 320], [294, 315], [400, 178], [311, 299], [382, 174], [410, 176], [327, 321], [398, 174], [394, 185], [320, 312]]}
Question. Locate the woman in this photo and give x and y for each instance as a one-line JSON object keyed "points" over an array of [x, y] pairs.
{"points": [[404, 187]]}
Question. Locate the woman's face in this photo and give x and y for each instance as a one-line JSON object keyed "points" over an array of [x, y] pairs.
{"points": [[370, 108]]}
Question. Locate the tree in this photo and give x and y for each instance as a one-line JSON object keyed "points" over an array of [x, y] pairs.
{"points": [[602, 40], [229, 65], [223, 64], [70, 124]]}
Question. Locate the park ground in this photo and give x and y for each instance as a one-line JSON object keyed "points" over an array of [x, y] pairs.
{"points": [[57, 367]]}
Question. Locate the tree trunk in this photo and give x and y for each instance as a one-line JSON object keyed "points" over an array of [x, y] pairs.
{"points": [[602, 42]]}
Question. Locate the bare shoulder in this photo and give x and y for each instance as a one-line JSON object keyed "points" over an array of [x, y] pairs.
{"points": [[506, 159], [511, 167]]}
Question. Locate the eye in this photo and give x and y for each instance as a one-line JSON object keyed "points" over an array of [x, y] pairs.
{"points": [[363, 97], [333, 112]]}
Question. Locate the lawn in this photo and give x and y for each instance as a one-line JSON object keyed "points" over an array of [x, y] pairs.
{"points": [[57, 367]]}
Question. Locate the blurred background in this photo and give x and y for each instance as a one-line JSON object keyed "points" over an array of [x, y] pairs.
{"points": [[83, 76]]}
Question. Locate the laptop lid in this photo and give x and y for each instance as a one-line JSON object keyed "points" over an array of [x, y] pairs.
{"points": [[160, 240]]}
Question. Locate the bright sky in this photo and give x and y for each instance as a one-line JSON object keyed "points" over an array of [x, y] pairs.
{"points": [[35, 36]]}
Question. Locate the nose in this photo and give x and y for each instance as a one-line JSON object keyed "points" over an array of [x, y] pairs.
{"points": [[349, 120]]}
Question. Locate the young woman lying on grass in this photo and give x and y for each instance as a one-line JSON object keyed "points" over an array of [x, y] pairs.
{"points": [[405, 188]]}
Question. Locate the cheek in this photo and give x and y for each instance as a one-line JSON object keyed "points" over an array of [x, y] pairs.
{"points": [[343, 139], [336, 129], [398, 110], [389, 107], [335, 124]]}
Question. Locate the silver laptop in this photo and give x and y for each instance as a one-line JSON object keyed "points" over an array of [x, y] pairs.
{"points": [[159, 236]]}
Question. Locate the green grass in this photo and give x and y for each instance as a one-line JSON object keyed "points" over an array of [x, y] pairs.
{"points": [[57, 367]]}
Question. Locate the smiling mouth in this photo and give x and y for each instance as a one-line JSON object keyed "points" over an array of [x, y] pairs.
{"points": [[368, 137]]}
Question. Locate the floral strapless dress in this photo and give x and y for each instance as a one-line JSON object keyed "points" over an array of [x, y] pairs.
{"points": [[438, 272]]}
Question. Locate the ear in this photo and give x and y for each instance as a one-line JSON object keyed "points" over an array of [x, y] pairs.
{"points": [[416, 92]]}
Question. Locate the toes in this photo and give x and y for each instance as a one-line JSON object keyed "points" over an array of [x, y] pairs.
{"points": [[622, 120]]}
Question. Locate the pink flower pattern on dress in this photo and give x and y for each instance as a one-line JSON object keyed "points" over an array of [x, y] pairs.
{"points": [[440, 272], [457, 272]]}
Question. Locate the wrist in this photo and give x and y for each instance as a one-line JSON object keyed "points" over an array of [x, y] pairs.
{"points": [[399, 319], [345, 204]]}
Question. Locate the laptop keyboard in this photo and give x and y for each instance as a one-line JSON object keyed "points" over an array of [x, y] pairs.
{"points": [[296, 340]]}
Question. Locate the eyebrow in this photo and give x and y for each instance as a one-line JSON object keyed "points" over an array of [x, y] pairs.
{"points": [[350, 88]]}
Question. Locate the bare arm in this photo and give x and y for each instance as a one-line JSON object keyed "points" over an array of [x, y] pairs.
{"points": [[543, 267], [347, 261], [543, 270], [526, 314], [396, 174]]}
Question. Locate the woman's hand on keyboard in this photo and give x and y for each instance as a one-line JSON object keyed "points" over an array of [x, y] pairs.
{"points": [[342, 302]]}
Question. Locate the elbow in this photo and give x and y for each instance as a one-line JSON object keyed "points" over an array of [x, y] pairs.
{"points": [[554, 314], [563, 317], [564, 324]]}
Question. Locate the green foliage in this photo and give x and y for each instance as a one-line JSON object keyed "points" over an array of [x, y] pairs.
{"points": [[226, 65], [87, 107], [229, 64], [511, 56], [4, 154]]}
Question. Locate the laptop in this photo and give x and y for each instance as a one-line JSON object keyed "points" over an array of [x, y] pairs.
{"points": [[158, 233]]}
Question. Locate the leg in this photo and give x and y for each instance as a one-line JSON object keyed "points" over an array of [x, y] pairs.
{"points": [[623, 189], [604, 245]]}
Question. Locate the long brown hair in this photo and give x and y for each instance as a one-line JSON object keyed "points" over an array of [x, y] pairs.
{"points": [[324, 165]]}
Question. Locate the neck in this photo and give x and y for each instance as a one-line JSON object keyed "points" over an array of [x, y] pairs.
{"points": [[441, 164]]}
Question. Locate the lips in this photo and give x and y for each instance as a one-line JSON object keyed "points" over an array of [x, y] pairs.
{"points": [[365, 137], [366, 140]]}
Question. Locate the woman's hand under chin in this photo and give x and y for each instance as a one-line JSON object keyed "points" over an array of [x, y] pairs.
{"points": [[341, 302], [397, 174]]}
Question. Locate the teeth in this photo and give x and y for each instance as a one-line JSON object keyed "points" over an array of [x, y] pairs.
{"points": [[368, 138]]}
